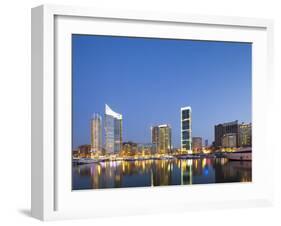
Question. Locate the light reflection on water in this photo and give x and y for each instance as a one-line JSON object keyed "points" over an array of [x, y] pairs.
{"points": [[159, 172]]}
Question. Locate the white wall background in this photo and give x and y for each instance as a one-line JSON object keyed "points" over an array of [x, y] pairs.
{"points": [[15, 111]]}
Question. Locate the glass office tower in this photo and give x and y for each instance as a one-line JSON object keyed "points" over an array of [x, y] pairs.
{"points": [[113, 131], [96, 134], [186, 139]]}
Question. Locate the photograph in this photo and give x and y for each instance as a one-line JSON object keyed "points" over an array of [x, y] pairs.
{"points": [[149, 112]]}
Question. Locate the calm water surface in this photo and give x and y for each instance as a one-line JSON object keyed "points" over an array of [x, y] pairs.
{"points": [[159, 172]]}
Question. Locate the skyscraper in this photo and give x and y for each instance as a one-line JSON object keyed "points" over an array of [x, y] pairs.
{"points": [[96, 133], [113, 131], [245, 135], [186, 142], [161, 137]]}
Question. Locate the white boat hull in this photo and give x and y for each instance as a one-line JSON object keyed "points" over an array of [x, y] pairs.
{"points": [[84, 161], [240, 156]]}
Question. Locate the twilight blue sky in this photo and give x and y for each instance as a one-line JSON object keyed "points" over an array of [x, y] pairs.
{"points": [[148, 80]]}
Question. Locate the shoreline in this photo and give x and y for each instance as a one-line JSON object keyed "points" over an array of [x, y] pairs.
{"points": [[132, 159]]}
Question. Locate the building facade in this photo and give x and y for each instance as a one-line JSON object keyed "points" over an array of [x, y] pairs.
{"points": [[186, 139], [129, 148], [229, 140], [225, 128], [196, 144], [84, 151], [113, 131], [245, 135], [146, 148], [161, 137], [96, 133]]}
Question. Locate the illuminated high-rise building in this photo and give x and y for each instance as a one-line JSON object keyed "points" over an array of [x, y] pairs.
{"points": [[96, 133], [113, 131], [245, 135], [186, 139], [161, 137]]}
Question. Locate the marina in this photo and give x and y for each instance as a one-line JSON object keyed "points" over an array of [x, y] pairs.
{"points": [[157, 172]]}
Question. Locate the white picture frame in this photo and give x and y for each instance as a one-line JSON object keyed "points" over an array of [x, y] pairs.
{"points": [[52, 197]]}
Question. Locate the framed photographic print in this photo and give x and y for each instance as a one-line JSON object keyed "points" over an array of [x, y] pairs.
{"points": [[137, 112]]}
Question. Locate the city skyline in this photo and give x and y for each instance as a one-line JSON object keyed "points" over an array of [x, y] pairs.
{"points": [[144, 99], [240, 133]]}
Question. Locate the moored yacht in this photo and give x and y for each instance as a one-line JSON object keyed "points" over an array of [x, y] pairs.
{"points": [[85, 161], [241, 154]]}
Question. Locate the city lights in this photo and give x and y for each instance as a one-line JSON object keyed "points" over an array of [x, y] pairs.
{"points": [[229, 138], [139, 117]]}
